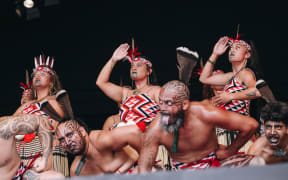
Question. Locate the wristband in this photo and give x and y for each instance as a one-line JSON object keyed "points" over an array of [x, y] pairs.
{"points": [[211, 61]]}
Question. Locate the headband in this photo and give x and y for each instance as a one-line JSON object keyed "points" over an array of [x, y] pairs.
{"points": [[132, 57], [232, 41]]}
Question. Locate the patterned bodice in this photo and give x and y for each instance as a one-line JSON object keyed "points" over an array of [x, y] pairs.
{"points": [[239, 106], [140, 109], [35, 108]]}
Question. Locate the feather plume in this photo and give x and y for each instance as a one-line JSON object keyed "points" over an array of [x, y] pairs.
{"points": [[187, 60]]}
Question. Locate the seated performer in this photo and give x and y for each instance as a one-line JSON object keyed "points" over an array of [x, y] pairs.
{"points": [[187, 130], [99, 151], [11, 166], [273, 147]]}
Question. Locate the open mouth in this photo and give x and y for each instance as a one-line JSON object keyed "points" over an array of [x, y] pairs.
{"points": [[273, 139], [165, 118]]}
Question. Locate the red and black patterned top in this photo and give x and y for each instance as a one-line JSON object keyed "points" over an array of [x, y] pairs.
{"points": [[239, 106], [140, 109]]}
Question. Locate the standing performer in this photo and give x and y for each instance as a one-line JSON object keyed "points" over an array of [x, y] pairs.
{"points": [[240, 84], [138, 106], [51, 101]]}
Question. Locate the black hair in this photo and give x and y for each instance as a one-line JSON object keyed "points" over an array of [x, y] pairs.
{"points": [[79, 121], [276, 111], [152, 77]]}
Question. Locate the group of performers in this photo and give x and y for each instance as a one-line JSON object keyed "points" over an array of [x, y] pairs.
{"points": [[158, 128]]}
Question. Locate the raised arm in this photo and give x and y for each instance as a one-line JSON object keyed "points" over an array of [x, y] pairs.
{"points": [[27, 124], [113, 91], [231, 121], [206, 76]]}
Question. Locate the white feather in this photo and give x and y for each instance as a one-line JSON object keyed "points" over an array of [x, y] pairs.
{"points": [[35, 61], [47, 61], [188, 51], [52, 63], [40, 59]]}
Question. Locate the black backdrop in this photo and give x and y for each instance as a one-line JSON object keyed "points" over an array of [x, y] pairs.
{"points": [[83, 35]]}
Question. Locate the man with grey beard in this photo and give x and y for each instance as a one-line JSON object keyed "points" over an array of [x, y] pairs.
{"points": [[273, 146], [187, 130]]}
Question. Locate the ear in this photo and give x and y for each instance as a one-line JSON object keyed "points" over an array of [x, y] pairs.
{"points": [[185, 105], [149, 71], [82, 131], [247, 55]]}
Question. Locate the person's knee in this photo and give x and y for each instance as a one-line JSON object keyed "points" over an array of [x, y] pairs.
{"points": [[49, 175]]}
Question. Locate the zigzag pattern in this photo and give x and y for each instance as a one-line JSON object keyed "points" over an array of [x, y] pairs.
{"points": [[138, 108], [208, 161], [239, 106]]}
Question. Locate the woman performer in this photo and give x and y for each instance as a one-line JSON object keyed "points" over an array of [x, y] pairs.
{"points": [[240, 84], [139, 105], [48, 100]]}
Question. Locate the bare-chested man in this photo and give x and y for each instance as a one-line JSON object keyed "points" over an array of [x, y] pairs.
{"points": [[10, 165], [98, 152], [187, 130], [273, 147]]}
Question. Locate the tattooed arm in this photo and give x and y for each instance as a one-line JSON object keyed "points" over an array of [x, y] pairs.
{"points": [[150, 146], [26, 124]]}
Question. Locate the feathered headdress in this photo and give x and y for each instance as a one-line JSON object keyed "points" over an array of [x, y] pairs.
{"points": [[40, 61], [132, 53], [26, 87], [237, 40], [187, 60]]}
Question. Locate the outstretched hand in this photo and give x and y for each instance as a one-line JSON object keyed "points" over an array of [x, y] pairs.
{"points": [[121, 52], [221, 46]]}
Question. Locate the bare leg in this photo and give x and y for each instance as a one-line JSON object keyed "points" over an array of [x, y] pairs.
{"points": [[33, 175]]}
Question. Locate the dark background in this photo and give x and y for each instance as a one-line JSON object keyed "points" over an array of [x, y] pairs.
{"points": [[82, 36]]}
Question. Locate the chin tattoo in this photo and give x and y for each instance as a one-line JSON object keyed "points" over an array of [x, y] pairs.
{"points": [[172, 127], [280, 153]]}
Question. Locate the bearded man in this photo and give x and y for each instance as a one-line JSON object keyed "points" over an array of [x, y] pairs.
{"points": [[187, 130]]}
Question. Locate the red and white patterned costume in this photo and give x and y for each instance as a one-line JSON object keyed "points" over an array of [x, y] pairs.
{"points": [[207, 162], [139, 109], [35, 108], [239, 106]]}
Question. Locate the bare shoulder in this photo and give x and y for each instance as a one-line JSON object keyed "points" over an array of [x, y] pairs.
{"points": [[258, 146], [199, 106], [93, 135], [247, 74], [261, 141]]}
